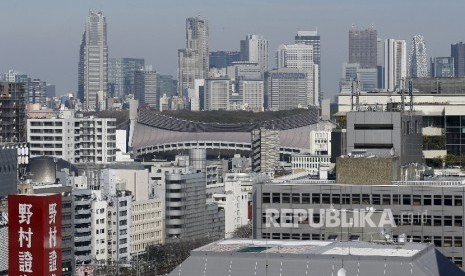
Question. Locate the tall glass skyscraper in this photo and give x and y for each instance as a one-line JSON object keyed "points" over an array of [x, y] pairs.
{"points": [[93, 63], [121, 72]]}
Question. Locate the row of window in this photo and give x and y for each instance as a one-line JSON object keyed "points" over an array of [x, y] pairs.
{"points": [[366, 199], [439, 241]]}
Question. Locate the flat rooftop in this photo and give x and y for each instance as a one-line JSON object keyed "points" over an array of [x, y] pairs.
{"points": [[340, 248], [315, 258]]}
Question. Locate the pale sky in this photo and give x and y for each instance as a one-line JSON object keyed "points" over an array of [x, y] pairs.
{"points": [[42, 38]]}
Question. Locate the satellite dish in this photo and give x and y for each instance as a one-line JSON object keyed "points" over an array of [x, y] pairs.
{"points": [[342, 272]]}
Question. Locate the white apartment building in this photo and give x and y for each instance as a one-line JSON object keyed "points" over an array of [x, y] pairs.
{"points": [[100, 229], [72, 137], [234, 202]]}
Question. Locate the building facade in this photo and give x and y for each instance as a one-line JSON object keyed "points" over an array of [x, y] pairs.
{"points": [[146, 88], [286, 88], [73, 138], [395, 64], [223, 59], [93, 63], [418, 62], [121, 75], [300, 56], [363, 47], [13, 97], [442, 67], [265, 153], [254, 48], [457, 52]]}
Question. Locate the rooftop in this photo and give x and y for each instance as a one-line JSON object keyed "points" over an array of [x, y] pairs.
{"points": [[315, 258]]}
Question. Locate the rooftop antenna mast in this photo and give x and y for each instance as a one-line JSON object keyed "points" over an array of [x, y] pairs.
{"points": [[402, 94]]}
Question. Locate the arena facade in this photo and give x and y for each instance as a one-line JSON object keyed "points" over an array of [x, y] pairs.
{"points": [[155, 132]]}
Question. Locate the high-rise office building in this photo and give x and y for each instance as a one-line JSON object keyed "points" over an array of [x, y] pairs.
{"points": [[167, 85], [254, 48], [312, 38], [442, 67], [363, 47], [457, 52], [223, 59], [37, 91], [217, 92], [121, 73], [194, 59], [300, 56], [146, 88], [93, 63], [286, 88], [418, 64], [265, 150], [395, 63]]}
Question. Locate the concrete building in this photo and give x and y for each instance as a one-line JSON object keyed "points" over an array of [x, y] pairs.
{"points": [[234, 201], [252, 94], [286, 88], [37, 91], [353, 74], [386, 134], [9, 173], [363, 47], [217, 94], [418, 62], [429, 211], [395, 64], [83, 226], [442, 67], [121, 75], [93, 62], [13, 97], [73, 137], [254, 48], [315, 258], [457, 52], [265, 154], [245, 70], [300, 56], [100, 228]]}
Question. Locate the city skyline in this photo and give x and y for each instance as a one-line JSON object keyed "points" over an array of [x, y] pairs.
{"points": [[52, 55]]}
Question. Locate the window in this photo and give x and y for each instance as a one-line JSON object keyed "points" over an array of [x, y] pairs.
{"points": [[448, 200], [416, 200], [458, 200], [305, 198], [447, 220], [458, 241], [266, 198], [406, 199], [286, 198], [316, 198], [276, 198], [376, 199], [427, 200], [296, 198], [386, 199], [355, 199], [326, 199], [437, 200], [458, 221]]}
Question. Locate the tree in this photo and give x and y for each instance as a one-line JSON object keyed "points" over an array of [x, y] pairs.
{"points": [[243, 232]]}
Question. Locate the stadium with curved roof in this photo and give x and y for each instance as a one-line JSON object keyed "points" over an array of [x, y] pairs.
{"points": [[155, 132]]}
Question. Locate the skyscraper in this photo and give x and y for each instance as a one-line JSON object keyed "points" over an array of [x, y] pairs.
{"points": [[193, 60], [300, 56], [121, 73], [312, 38], [254, 48], [395, 63], [223, 59], [93, 62], [418, 64], [363, 47], [457, 52], [146, 88], [442, 67]]}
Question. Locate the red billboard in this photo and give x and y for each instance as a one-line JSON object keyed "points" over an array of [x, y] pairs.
{"points": [[34, 235]]}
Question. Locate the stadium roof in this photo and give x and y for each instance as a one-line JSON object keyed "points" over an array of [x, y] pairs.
{"points": [[315, 258]]}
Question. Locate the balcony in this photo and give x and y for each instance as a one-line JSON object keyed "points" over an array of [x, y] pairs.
{"points": [[82, 221], [175, 231]]}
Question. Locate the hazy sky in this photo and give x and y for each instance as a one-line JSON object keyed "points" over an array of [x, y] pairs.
{"points": [[42, 38]]}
